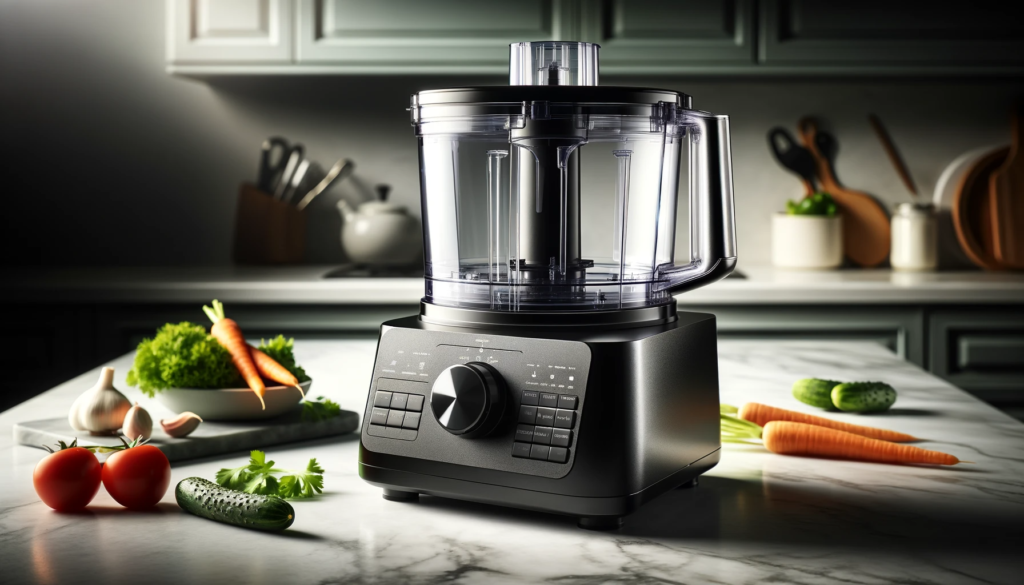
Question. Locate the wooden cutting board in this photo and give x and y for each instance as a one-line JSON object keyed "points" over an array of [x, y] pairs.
{"points": [[866, 231], [211, 438], [972, 216], [1006, 200]]}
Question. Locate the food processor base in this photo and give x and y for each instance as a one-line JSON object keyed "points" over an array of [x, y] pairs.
{"points": [[593, 421]]}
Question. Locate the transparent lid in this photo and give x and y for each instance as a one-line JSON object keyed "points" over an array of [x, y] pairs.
{"points": [[553, 63]]}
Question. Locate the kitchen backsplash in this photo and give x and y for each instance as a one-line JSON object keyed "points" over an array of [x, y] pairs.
{"points": [[116, 162]]}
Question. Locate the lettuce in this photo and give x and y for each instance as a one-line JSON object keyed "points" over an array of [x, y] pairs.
{"points": [[182, 356]]}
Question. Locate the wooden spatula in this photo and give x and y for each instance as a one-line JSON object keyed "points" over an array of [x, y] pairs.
{"points": [[1006, 199], [866, 232]]}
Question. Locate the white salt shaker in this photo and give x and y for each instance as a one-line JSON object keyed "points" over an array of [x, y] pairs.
{"points": [[914, 241]]}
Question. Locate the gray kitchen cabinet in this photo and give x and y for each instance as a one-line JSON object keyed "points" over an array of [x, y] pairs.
{"points": [[222, 32], [920, 35], [901, 329], [670, 36], [638, 37], [41, 348], [981, 351], [414, 36]]}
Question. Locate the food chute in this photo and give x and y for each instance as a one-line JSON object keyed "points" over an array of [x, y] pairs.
{"points": [[548, 368]]}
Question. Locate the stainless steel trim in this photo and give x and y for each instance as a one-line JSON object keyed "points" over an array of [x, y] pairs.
{"points": [[625, 318]]}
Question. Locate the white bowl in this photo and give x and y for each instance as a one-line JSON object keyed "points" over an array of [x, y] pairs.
{"points": [[807, 241], [233, 403]]}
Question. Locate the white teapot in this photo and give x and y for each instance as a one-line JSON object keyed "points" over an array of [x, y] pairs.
{"points": [[379, 233]]}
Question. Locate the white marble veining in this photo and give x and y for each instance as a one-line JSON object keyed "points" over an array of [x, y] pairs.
{"points": [[755, 518], [305, 284]]}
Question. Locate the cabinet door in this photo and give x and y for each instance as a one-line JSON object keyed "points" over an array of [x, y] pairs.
{"points": [[669, 36], [899, 329], [883, 33], [415, 36], [230, 31], [981, 351], [40, 347]]}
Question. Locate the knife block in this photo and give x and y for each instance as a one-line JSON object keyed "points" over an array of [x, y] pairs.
{"points": [[267, 231]]}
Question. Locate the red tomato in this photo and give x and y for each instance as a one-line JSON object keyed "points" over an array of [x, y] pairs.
{"points": [[68, 479], [138, 477]]}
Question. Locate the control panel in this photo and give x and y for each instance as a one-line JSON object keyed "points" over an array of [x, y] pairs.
{"points": [[498, 402], [397, 408], [546, 423]]}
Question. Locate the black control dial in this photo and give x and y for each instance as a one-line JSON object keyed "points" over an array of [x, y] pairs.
{"points": [[468, 399]]}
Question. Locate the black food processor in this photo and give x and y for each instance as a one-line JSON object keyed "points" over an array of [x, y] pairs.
{"points": [[548, 368]]}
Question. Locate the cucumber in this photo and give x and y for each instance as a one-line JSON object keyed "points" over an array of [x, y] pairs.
{"points": [[213, 502], [863, 396], [815, 391]]}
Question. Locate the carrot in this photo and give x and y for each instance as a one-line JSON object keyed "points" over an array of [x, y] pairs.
{"points": [[794, 438], [229, 334], [271, 370], [763, 414]]}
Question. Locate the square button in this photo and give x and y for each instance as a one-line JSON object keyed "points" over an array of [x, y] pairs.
{"points": [[549, 400], [561, 437], [542, 435], [521, 450], [564, 419], [524, 433], [528, 414], [566, 401], [415, 403], [531, 397], [382, 399], [379, 416], [540, 452], [395, 418], [398, 400], [558, 454], [411, 421], [545, 416]]}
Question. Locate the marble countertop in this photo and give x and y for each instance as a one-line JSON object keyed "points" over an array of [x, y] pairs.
{"points": [[757, 517], [307, 285]]}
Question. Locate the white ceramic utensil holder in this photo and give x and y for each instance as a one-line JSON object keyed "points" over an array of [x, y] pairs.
{"points": [[811, 242]]}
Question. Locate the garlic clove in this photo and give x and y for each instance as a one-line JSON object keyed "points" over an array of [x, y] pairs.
{"points": [[100, 409], [137, 423], [181, 425]]}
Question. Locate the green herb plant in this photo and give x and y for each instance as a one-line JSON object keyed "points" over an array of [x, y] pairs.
{"points": [[259, 476], [817, 204], [319, 409]]}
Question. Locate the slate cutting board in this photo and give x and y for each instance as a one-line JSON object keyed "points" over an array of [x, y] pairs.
{"points": [[211, 438]]}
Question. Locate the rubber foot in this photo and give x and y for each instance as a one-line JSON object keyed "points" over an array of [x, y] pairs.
{"points": [[600, 522], [400, 496], [690, 484]]}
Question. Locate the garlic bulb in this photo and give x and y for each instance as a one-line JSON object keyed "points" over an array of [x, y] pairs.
{"points": [[181, 425], [101, 409], [137, 423]]}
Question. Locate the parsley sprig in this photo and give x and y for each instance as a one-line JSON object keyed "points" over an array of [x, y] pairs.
{"points": [[258, 477]]}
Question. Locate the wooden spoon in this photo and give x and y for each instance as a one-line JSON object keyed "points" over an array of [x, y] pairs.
{"points": [[866, 231], [1006, 200]]}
